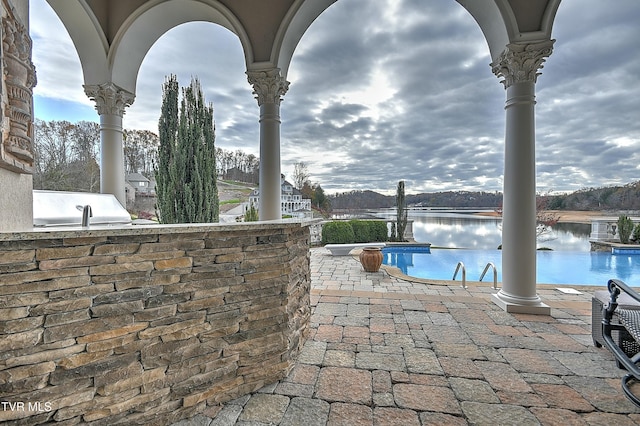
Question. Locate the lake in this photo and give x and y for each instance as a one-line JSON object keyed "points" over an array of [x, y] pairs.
{"points": [[462, 229]]}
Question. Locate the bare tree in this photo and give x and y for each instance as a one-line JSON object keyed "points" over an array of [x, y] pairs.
{"points": [[66, 156], [140, 149], [300, 174]]}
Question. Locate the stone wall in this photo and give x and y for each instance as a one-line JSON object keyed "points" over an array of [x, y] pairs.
{"points": [[147, 325]]}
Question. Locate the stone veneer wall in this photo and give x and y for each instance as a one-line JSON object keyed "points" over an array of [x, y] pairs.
{"points": [[147, 325]]}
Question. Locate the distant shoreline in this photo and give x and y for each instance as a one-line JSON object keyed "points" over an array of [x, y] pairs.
{"points": [[566, 216], [576, 216]]}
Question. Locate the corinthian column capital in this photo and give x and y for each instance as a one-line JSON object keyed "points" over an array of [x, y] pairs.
{"points": [[268, 85], [519, 63], [109, 98]]}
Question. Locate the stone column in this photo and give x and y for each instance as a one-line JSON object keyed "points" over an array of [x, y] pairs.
{"points": [[269, 87], [518, 65], [17, 79], [110, 103]]}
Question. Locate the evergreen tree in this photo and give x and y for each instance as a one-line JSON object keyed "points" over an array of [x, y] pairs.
{"points": [[251, 215], [401, 212], [319, 198], [186, 170]]}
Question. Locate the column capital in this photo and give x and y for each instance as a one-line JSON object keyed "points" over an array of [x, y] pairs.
{"points": [[109, 98], [268, 85], [519, 63]]}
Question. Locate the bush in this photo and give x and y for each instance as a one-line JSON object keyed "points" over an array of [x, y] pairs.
{"points": [[354, 231], [636, 233], [369, 231], [337, 233], [361, 231], [379, 231], [251, 215], [625, 228]]}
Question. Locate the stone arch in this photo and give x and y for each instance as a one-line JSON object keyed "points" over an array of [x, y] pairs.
{"points": [[118, 62], [301, 15], [89, 40], [512, 21], [143, 28], [501, 21]]}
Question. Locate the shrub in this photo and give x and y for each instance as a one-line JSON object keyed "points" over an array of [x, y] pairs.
{"points": [[636, 233], [361, 230], [379, 231], [251, 215], [337, 233], [354, 231], [368, 231], [625, 227]]}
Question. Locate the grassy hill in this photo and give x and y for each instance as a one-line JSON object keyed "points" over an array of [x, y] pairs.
{"points": [[232, 194]]}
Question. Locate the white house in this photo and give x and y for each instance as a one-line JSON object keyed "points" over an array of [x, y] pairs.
{"points": [[291, 201]]}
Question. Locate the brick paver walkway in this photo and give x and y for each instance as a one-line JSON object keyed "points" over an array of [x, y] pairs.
{"points": [[388, 351]]}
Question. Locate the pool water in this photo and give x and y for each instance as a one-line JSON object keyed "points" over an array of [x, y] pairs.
{"points": [[553, 267]]}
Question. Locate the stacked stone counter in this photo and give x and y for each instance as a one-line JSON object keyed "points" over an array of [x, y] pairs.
{"points": [[150, 324]]}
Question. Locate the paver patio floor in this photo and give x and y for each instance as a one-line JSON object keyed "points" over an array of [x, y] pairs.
{"points": [[388, 351]]}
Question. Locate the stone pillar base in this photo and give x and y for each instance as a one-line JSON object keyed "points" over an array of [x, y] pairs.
{"points": [[537, 308]]}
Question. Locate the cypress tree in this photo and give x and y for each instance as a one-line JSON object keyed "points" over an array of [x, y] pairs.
{"points": [[167, 132], [401, 212], [186, 174]]}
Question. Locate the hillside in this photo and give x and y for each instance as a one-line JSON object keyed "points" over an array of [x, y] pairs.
{"points": [[355, 200], [232, 194], [613, 198]]}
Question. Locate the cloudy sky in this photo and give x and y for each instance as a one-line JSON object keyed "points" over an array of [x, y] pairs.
{"points": [[408, 93]]}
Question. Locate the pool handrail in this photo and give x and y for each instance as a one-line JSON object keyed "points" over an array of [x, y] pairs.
{"points": [[495, 274], [464, 274]]}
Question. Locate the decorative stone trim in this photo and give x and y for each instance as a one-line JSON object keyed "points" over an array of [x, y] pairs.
{"points": [[19, 78], [268, 86], [109, 98], [519, 63]]}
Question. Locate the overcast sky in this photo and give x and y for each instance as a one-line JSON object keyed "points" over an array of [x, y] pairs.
{"points": [[404, 91]]}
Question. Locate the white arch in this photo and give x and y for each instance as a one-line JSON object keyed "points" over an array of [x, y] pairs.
{"points": [[298, 19], [495, 18], [120, 62], [87, 36], [147, 24], [500, 26]]}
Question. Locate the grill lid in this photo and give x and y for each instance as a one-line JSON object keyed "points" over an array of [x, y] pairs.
{"points": [[59, 208]]}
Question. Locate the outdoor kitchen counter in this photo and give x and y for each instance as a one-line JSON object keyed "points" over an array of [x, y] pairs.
{"points": [[149, 323], [39, 233]]}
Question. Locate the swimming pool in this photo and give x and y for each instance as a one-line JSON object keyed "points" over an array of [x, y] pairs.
{"points": [[553, 267]]}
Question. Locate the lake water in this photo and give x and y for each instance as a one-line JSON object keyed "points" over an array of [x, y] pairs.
{"points": [[455, 229]]}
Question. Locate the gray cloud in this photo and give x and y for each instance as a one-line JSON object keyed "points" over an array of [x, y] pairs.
{"points": [[404, 90]]}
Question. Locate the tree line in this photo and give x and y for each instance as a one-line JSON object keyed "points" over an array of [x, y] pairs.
{"points": [[613, 198], [67, 156], [620, 197]]}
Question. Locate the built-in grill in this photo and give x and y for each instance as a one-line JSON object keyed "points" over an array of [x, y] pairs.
{"points": [[59, 208]]}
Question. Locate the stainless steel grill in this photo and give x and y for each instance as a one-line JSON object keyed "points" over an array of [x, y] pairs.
{"points": [[59, 208]]}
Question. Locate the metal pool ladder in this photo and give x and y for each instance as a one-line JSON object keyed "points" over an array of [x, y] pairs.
{"points": [[459, 266], [495, 274]]}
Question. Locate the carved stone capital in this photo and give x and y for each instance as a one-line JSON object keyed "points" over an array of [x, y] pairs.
{"points": [[519, 63], [268, 86], [109, 98]]}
